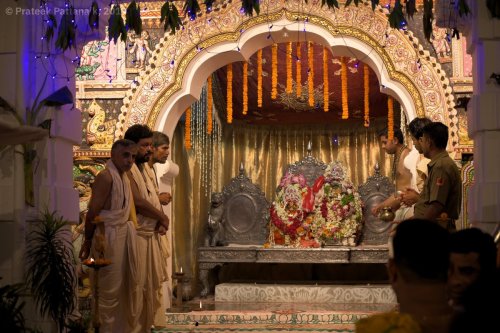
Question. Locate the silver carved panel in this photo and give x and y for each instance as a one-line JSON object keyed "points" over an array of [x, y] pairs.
{"points": [[374, 191], [246, 211]]}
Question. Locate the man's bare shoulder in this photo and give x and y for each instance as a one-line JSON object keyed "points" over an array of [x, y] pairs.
{"points": [[104, 177]]}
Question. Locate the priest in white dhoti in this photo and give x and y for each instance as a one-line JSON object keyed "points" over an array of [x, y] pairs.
{"points": [[110, 237], [401, 174], [160, 153], [152, 225]]}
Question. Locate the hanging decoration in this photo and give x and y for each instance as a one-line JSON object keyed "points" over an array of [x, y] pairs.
{"points": [[332, 4], [366, 78], [210, 105], [67, 29], [390, 118], [191, 8], [133, 18], [289, 87], [116, 27], [259, 78], [326, 87], [310, 76], [345, 101], [170, 15], [428, 17], [245, 88], [248, 6], [396, 18], [229, 102], [494, 8], [51, 26], [187, 129], [94, 16], [298, 67], [274, 74]]}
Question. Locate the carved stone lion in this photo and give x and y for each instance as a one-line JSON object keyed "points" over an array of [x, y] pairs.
{"points": [[215, 234]]}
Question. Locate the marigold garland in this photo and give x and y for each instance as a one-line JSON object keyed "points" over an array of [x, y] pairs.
{"points": [[310, 77], [289, 88], [259, 78], [245, 88], [229, 103], [366, 73], [326, 87], [209, 105], [390, 118], [345, 103], [187, 129], [274, 75], [298, 67]]}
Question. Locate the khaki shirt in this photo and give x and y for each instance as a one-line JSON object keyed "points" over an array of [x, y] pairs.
{"points": [[443, 185]]}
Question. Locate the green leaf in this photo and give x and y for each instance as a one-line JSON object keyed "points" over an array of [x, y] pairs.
{"points": [[50, 271], [170, 15], [133, 18], [191, 8], [374, 3]]}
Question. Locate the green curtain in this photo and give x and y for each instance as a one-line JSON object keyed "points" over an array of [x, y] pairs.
{"points": [[265, 151]]}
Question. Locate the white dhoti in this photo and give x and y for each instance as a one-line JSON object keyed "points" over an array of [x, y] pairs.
{"points": [[152, 260], [117, 282]]}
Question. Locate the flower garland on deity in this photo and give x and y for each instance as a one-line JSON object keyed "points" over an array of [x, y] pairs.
{"points": [[338, 214], [329, 211]]}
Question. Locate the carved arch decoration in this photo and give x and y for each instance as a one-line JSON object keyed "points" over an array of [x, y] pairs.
{"points": [[182, 62]]}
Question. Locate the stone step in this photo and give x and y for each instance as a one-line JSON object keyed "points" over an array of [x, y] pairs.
{"points": [[225, 317], [292, 293]]}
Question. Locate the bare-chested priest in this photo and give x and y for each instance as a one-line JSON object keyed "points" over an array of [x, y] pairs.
{"points": [[114, 238], [401, 174], [152, 224]]}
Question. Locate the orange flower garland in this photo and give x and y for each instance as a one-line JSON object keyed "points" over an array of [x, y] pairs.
{"points": [[209, 105], [390, 118], [310, 78], [366, 73], [298, 67], [345, 103], [289, 88], [259, 78], [245, 88], [326, 88], [274, 75], [187, 129], [229, 103]]}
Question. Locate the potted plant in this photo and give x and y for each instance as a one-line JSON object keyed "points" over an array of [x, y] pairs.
{"points": [[11, 307], [51, 276]]}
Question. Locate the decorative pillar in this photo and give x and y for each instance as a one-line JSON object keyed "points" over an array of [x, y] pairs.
{"points": [[483, 38]]}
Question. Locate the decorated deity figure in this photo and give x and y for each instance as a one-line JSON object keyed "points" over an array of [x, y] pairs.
{"points": [[140, 48], [215, 235], [440, 42]]}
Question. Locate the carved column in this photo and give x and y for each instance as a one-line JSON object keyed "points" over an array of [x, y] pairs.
{"points": [[483, 37]]}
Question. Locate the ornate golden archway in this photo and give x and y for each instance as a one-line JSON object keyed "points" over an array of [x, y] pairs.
{"points": [[182, 62]]}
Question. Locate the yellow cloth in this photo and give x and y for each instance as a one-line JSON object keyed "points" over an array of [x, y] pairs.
{"points": [[152, 256], [392, 322]]}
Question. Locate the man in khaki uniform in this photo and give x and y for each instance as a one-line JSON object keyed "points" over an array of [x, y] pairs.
{"points": [[442, 193]]}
